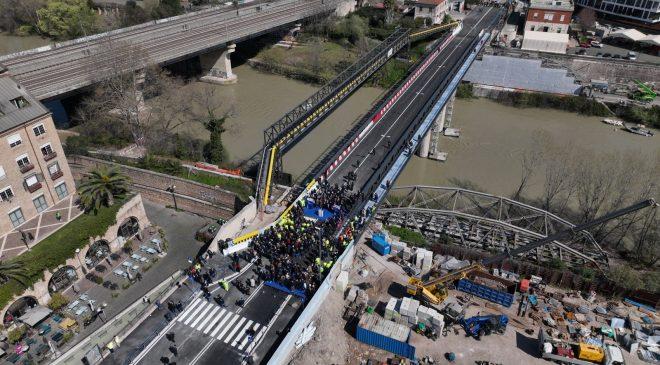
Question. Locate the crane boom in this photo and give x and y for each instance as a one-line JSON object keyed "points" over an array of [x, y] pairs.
{"points": [[562, 234]]}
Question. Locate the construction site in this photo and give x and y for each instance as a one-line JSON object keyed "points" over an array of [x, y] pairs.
{"points": [[395, 303]]}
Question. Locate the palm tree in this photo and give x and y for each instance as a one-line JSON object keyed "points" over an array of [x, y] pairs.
{"points": [[13, 271], [102, 187]]}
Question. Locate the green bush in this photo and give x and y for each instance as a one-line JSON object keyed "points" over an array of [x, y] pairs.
{"points": [[15, 335], [68, 335], [58, 247], [571, 103], [57, 301], [407, 235], [638, 114], [465, 91]]}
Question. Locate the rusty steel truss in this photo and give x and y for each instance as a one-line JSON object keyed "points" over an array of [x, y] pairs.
{"points": [[487, 222]]}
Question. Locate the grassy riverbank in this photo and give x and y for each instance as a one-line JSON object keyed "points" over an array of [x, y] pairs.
{"points": [[326, 48]]}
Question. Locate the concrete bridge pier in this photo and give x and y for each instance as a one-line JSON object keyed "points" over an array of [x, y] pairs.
{"points": [[218, 64], [429, 146]]}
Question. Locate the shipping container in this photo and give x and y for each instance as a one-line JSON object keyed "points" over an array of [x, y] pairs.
{"points": [[385, 335], [485, 292], [380, 244]]}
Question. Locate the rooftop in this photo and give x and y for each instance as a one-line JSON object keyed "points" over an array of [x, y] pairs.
{"points": [[430, 2], [566, 5], [17, 106]]}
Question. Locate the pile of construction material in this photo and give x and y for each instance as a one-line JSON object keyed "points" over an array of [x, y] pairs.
{"points": [[410, 312]]}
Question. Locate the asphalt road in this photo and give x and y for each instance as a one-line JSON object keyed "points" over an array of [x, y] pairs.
{"points": [[613, 50], [366, 156], [205, 332]]}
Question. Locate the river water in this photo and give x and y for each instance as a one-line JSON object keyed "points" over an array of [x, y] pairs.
{"points": [[487, 154], [12, 43]]}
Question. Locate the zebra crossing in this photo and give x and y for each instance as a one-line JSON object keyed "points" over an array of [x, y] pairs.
{"points": [[220, 323]]}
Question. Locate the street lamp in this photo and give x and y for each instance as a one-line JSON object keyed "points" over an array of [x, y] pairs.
{"points": [[172, 189], [82, 267]]}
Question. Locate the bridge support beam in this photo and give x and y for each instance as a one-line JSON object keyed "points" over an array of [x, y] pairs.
{"points": [[218, 64], [429, 146]]}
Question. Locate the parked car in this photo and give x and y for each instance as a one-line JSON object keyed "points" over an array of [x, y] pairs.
{"points": [[616, 56], [596, 44], [631, 56], [607, 55], [599, 54]]}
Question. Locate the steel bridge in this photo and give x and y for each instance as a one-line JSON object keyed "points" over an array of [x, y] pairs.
{"points": [[294, 125], [54, 70], [487, 222]]}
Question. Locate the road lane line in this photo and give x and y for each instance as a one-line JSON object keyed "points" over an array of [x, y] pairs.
{"points": [[188, 310], [209, 316], [234, 330], [201, 307], [215, 319], [241, 333], [227, 327], [219, 326]]}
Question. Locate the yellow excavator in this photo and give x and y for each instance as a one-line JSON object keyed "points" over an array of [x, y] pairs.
{"points": [[434, 291]]}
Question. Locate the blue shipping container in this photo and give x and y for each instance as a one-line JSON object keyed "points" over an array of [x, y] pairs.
{"points": [[380, 244], [485, 292], [366, 332]]}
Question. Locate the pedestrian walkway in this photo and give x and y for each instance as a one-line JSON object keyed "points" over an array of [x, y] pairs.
{"points": [[220, 323]]}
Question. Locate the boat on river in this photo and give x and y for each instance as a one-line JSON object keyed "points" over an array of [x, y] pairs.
{"points": [[639, 129], [614, 122]]}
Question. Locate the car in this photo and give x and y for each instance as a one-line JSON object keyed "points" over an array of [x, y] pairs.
{"points": [[599, 54], [607, 55], [581, 51], [596, 44], [631, 55], [616, 56]]}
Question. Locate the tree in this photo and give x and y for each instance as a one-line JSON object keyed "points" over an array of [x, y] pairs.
{"points": [[587, 17], [133, 14], [102, 187], [390, 7], [625, 277], [13, 271], [558, 175], [57, 301], [166, 9], [67, 19], [213, 116], [15, 14]]}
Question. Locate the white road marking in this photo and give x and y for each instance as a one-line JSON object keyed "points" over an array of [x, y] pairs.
{"points": [[234, 330], [202, 314], [215, 319], [222, 334]]}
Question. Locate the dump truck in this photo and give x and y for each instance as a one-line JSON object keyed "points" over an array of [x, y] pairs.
{"points": [[578, 353]]}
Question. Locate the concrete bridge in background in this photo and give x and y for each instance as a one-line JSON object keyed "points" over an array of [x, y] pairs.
{"points": [[52, 71]]}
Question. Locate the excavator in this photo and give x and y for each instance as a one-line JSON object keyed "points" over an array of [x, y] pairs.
{"points": [[434, 291], [643, 93]]}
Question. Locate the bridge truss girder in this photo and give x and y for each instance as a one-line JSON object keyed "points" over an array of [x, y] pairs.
{"points": [[487, 222]]}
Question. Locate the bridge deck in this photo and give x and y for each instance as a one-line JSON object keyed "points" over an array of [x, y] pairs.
{"points": [[54, 70], [366, 156]]}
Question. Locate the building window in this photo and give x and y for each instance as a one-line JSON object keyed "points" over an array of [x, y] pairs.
{"points": [[548, 16], [561, 18], [6, 194], [532, 28], [536, 15], [23, 162], [61, 190], [46, 149], [55, 171], [14, 140], [32, 183], [40, 203], [20, 102], [16, 217], [39, 130]]}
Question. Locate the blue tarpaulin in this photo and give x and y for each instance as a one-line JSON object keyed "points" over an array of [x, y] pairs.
{"points": [[311, 210], [297, 292]]}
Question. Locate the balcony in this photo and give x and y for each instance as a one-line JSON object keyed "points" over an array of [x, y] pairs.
{"points": [[33, 188], [56, 175], [26, 168], [50, 156]]}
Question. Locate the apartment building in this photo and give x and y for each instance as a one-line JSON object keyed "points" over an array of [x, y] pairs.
{"points": [[546, 25], [551, 16], [34, 174], [641, 13], [431, 9]]}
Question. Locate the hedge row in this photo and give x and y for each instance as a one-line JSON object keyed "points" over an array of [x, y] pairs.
{"points": [[58, 247]]}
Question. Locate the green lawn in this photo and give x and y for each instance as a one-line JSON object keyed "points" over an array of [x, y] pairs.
{"points": [[407, 235], [241, 187], [59, 246]]}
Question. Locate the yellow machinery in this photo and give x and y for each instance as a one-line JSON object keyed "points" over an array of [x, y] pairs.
{"points": [[434, 291], [591, 353]]}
